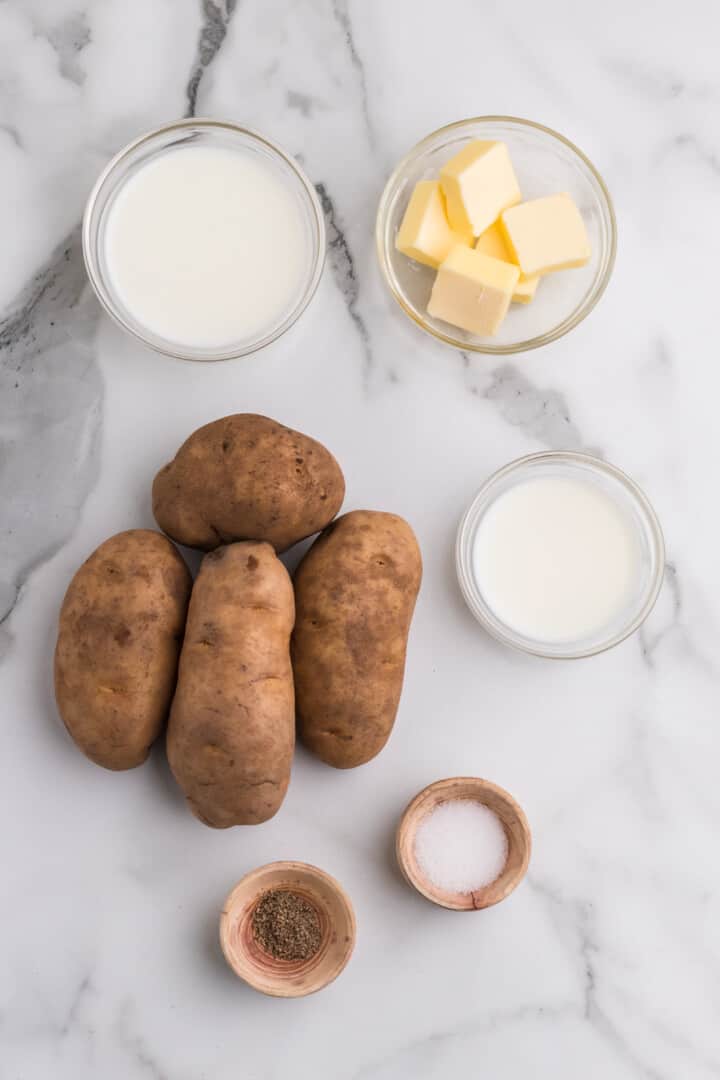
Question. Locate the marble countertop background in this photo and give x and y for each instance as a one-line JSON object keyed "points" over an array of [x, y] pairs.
{"points": [[605, 964]]}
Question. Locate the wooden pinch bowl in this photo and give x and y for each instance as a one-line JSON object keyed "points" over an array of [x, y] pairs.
{"points": [[496, 799], [288, 978]]}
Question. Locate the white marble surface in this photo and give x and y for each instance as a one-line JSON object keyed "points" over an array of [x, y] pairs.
{"points": [[605, 964]]}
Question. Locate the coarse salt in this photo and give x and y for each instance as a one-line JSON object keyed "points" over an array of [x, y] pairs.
{"points": [[461, 846]]}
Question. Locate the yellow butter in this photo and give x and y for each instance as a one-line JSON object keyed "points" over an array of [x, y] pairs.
{"points": [[546, 234], [478, 184], [492, 242], [525, 289], [425, 234], [473, 290]]}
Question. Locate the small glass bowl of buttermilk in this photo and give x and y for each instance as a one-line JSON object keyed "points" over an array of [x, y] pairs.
{"points": [[204, 240], [560, 555]]}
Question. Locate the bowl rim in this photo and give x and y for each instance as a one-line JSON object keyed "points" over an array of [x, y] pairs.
{"points": [[499, 630], [177, 351], [413, 815], [251, 880], [564, 327]]}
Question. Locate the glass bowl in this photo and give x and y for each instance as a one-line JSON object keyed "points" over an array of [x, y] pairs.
{"points": [[625, 493], [545, 163], [214, 133]]}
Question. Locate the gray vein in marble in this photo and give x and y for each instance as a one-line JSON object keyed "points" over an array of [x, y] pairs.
{"points": [[137, 1048], [85, 988], [604, 1026], [216, 18], [342, 265], [542, 413], [678, 1042], [526, 55], [686, 140], [661, 361], [650, 640], [13, 134], [666, 622], [268, 72], [574, 919], [636, 766], [50, 403], [657, 82], [342, 17], [68, 38], [411, 1059], [305, 104]]}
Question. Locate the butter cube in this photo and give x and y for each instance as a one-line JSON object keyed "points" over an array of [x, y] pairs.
{"points": [[425, 234], [546, 234], [479, 183], [492, 242], [472, 290], [525, 289]]}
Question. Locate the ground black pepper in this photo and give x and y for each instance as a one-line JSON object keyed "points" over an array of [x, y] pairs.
{"points": [[286, 926]]}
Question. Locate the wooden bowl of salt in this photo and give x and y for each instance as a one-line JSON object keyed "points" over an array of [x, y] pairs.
{"points": [[287, 929], [463, 843]]}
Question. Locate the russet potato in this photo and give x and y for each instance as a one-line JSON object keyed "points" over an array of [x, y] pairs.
{"points": [[119, 637], [231, 732], [247, 477], [355, 593]]}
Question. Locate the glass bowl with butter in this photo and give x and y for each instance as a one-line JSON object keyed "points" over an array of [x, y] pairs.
{"points": [[556, 181]]}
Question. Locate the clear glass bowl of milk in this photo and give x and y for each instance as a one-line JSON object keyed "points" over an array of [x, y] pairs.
{"points": [[560, 555], [204, 240]]}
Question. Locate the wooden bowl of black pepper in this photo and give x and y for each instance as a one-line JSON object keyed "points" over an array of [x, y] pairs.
{"points": [[287, 929]]}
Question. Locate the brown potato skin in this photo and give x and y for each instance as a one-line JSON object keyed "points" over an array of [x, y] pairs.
{"points": [[247, 477], [355, 593], [231, 733], [119, 636]]}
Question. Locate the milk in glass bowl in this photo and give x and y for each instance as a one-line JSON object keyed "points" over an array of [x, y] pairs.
{"points": [[204, 240]]}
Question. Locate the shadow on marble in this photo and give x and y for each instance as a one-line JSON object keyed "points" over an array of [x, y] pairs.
{"points": [[454, 598], [157, 764], [209, 952]]}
